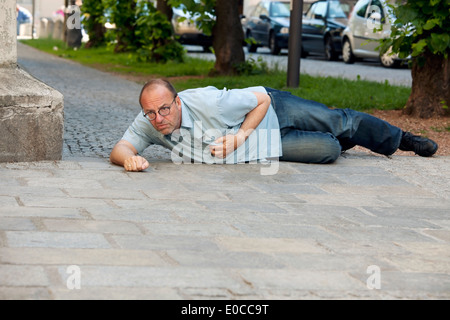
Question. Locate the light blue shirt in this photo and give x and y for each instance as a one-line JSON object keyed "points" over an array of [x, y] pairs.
{"points": [[207, 114]]}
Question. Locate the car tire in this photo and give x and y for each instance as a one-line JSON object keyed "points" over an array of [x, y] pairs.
{"points": [[388, 61], [330, 51], [347, 53], [274, 48]]}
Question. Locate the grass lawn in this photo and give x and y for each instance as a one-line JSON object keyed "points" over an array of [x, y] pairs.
{"points": [[333, 92]]}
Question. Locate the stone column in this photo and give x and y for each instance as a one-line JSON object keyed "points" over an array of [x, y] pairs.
{"points": [[31, 113]]}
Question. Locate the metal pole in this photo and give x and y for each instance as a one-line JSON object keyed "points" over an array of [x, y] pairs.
{"points": [[295, 44], [33, 22]]}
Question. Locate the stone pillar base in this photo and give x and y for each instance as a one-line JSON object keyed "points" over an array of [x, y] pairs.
{"points": [[31, 118]]}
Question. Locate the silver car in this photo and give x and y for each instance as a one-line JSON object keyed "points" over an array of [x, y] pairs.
{"points": [[359, 39]]}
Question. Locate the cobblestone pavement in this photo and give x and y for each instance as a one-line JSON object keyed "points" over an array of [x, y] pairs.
{"points": [[366, 227]]}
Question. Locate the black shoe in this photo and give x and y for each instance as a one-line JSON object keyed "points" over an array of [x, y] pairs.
{"points": [[422, 146]]}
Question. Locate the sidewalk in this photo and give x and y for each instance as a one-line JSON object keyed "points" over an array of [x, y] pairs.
{"points": [[366, 227]]}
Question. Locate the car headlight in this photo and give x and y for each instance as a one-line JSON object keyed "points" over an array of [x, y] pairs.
{"points": [[284, 30]]}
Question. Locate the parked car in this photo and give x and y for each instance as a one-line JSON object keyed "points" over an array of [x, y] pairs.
{"points": [[268, 26], [359, 38], [323, 25], [187, 30]]}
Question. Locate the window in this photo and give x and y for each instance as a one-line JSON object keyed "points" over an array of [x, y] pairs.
{"points": [[361, 8]]}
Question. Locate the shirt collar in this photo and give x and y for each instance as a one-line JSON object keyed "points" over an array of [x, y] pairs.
{"points": [[186, 120]]}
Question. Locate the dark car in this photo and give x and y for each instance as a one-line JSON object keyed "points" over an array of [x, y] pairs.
{"points": [[323, 25], [268, 26]]}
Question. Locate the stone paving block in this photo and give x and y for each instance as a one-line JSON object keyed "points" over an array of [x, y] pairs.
{"points": [[6, 201], [348, 200], [409, 202], [223, 206], [137, 215], [290, 189], [70, 213], [443, 235], [63, 183], [333, 262], [61, 202], [17, 191], [152, 277], [419, 264], [188, 195], [307, 214], [264, 230], [80, 257], [373, 180], [16, 224], [149, 242], [374, 234], [376, 190], [105, 194], [224, 259], [7, 181], [224, 217], [411, 212], [22, 276], [151, 205], [403, 221], [306, 280], [269, 245], [190, 229], [55, 239], [24, 293], [395, 281], [115, 227], [111, 293]]}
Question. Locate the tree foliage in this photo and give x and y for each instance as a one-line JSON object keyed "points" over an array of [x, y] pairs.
{"points": [[422, 30], [139, 28], [93, 21], [420, 25]]}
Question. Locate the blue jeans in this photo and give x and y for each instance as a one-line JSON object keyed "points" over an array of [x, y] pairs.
{"points": [[313, 133]]}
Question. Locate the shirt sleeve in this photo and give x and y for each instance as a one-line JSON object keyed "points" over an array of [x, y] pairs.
{"points": [[234, 104], [140, 134]]}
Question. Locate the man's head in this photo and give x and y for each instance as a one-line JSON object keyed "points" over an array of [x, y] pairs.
{"points": [[161, 105]]}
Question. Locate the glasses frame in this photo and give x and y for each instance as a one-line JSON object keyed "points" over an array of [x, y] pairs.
{"points": [[168, 107]]}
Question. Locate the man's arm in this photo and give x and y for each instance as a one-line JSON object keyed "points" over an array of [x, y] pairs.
{"points": [[125, 154], [251, 122]]}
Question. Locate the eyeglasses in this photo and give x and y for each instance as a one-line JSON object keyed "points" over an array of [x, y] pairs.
{"points": [[163, 111]]}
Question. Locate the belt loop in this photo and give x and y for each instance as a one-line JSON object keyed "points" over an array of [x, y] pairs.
{"points": [[272, 100]]}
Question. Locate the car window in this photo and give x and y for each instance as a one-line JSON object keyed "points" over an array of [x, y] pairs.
{"points": [[336, 10], [281, 9], [361, 8], [318, 8]]}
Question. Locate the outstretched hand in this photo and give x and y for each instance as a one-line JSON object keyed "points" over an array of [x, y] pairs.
{"points": [[135, 163]]}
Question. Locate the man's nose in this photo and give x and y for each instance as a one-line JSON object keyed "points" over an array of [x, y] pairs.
{"points": [[159, 118]]}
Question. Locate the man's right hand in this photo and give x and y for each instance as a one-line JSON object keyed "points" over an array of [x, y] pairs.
{"points": [[135, 163]]}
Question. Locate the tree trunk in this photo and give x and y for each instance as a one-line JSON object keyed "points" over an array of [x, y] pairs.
{"points": [[430, 95], [228, 37], [163, 7]]}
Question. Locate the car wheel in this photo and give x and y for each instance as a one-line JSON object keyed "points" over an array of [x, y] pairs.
{"points": [[251, 47], [274, 48], [388, 60], [304, 53], [330, 51], [347, 53]]}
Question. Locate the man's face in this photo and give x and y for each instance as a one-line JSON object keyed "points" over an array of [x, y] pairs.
{"points": [[158, 100]]}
